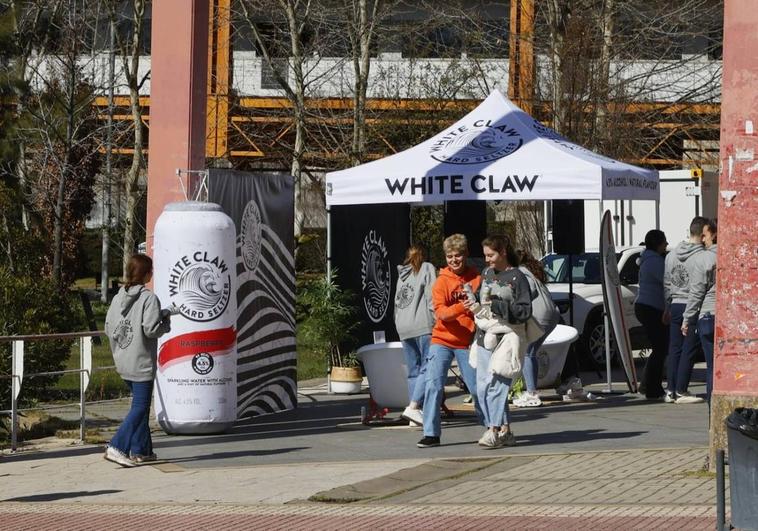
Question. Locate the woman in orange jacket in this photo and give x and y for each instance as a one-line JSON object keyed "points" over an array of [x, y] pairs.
{"points": [[452, 333]]}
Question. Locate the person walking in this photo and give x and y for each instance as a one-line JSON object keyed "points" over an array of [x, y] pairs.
{"points": [[547, 316], [414, 320], [133, 324], [676, 287], [510, 301], [649, 308], [701, 302], [451, 335]]}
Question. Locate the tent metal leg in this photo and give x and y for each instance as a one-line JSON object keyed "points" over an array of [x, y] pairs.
{"points": [[658, 214], [328, 276]]}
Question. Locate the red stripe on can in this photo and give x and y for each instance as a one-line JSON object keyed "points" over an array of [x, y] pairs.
{"points": [[218, 342]]}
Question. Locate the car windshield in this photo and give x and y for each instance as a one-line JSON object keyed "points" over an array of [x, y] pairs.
{"points": [[585, 267]]}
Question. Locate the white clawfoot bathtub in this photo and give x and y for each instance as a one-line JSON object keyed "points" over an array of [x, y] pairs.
{"points": [[387, 372]]}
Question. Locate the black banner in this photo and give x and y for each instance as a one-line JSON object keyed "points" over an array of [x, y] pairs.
{"points": [[262, 207], [470, 219], [368, 242]]}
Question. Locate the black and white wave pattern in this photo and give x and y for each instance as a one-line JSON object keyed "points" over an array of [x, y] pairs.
{"points": [[267, 355]]}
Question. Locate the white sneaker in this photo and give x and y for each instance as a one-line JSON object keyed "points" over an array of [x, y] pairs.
{"points": [[507, 438], [527, 399], [670, 398], [489, 439], [414, 415], [686, 398], [117, 456]]}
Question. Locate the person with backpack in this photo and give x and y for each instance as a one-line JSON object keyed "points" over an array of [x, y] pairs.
{"points": [[547, 316]]}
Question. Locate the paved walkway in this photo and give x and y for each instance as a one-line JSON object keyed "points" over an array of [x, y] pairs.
{"points": [[622, 463]]}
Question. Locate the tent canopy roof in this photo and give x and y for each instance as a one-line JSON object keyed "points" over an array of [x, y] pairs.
{"points": [[495, 152]]}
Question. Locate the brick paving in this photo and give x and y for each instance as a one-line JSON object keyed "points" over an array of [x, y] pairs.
{"points": [[256, 480], [346, 517], [634, 489]]}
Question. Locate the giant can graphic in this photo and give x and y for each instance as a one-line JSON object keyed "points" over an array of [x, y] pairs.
{"points": [[195, 270]]}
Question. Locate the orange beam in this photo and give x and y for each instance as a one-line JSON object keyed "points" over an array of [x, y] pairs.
{"points": [[219, 47], [521, 54]]}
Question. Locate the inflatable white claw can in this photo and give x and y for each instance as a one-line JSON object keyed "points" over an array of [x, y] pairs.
{"points": [[194, 264]]}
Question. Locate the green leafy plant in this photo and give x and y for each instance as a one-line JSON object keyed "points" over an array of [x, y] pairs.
{"points": [[328, 319], [30, 306]]}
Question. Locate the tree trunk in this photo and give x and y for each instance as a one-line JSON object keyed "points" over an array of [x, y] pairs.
{"points": [[296, 28], [61, 197], [558, 12], [604, 67], [130, 60]]}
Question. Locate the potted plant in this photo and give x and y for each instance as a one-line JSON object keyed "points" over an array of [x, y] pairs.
{"points": [[328, 324]]}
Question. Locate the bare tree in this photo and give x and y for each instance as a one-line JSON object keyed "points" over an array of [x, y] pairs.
{"points": [[129, 46], [58, 130], [289, 32]]}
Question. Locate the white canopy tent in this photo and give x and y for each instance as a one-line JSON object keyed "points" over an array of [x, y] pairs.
{"points": [[496, 152]]}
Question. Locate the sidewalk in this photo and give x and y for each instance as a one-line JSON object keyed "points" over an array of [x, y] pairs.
{"points": [[621, 463]]}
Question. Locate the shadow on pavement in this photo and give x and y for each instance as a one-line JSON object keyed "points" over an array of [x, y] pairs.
{"points": [[574, 436], [54, 496], [47, 454], [233, 455]]}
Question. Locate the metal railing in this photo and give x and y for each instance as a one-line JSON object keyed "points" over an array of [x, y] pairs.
{"points": [[17, 372]]}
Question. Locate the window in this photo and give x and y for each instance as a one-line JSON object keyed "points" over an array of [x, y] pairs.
{"points": [[586, 268], [630, 273]]}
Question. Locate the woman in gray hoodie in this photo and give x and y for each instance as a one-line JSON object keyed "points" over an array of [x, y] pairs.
{"points": [[133, 325], [414, 320]]}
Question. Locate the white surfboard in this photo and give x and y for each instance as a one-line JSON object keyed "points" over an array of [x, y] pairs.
{"points": [[613, 302]]}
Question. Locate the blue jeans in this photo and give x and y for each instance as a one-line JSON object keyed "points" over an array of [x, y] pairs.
{"points": [[682, 351], [437, 365], [491, 390], [530, 361], [416, 350], [133, 436], [706, 327]]}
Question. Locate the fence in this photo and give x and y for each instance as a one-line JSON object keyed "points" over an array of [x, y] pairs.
{"points": [[17, 372]]}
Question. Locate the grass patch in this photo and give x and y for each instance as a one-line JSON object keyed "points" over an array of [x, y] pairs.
{"points": [[36, 425], [309, 363], [91, 436], [104, 384]]}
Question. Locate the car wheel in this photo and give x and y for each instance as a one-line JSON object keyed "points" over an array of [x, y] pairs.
{"points": [[592, 343]]}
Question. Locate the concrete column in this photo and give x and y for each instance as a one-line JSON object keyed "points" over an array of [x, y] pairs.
{"points": [[736, 341], [178, 85]]}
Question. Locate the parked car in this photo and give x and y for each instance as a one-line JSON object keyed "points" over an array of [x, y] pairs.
{"points": [[586, 269]]}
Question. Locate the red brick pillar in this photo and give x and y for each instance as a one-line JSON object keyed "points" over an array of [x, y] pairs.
{"points": [[736, 341], [178, 85]]}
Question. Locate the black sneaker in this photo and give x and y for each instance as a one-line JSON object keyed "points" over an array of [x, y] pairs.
{"points": [[428, 442]]}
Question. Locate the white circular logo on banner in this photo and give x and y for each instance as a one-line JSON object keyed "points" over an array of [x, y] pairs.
{"points": [[482, 141], [250, 236], [375, 276]]}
